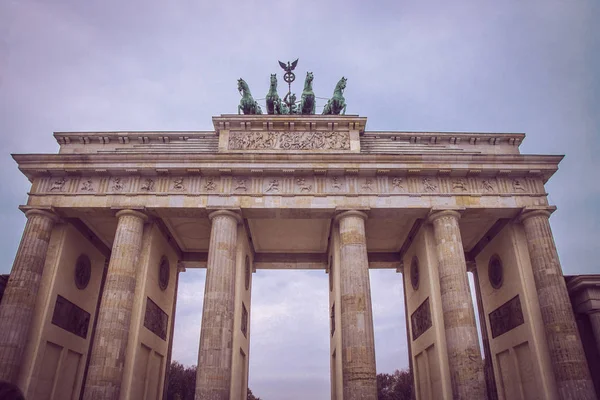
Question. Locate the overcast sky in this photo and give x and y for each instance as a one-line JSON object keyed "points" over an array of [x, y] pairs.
{"points": [[503, 66]]}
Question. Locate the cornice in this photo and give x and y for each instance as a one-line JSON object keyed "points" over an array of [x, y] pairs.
{"points": [[34, 165]]}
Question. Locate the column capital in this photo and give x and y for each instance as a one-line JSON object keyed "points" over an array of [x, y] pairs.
{"points": [[42, 212], [133, 213], [351, 213], [435, 214], [228, 213], [536, 212]]}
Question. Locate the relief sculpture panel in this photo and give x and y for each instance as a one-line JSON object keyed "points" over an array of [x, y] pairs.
{"points": [[252, 185], [289, 140], [155, 319], [420, 320], [506, 317], [70, 317]]}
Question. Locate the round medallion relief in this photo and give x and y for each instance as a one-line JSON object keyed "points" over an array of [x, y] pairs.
{"points": [[247, 273], [83, 271], [496, 271], [414, 273], [163, 273]]}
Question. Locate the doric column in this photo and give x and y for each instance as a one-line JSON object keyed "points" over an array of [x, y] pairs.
{"points": [[110, 343], [464, 357], [358, 343], [566, 351], [18, 303], [213, 379]]}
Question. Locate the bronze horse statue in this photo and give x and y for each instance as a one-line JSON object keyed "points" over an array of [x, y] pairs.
{"points": [[247, 104], [337, 104], [274, 105], [307, 103]]}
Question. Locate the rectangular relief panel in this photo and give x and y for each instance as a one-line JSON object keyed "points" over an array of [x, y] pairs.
{"points": [[508, 375], [138, 386], [422, 376], [528, 383], [279, 140], [67, 381], [506, 317], [154, 377], [48, 369], [420, 320], [70, 317], [155, 319]]}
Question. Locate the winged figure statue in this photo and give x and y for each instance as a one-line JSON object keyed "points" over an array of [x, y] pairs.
{"points": [[290, 65]]}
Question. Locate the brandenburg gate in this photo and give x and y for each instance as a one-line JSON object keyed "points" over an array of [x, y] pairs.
{"points": [[114, 217]]}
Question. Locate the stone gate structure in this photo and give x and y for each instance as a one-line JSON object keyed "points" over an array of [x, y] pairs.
{"points": [[113, 218]]}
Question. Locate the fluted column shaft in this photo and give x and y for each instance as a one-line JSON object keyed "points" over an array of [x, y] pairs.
{"points": [[566, 351], [464, 357], [358, 342], [18, 303], [213, 378], [114, 317]]}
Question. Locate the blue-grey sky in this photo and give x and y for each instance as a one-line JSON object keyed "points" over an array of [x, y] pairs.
{"points": [[509, 66]]}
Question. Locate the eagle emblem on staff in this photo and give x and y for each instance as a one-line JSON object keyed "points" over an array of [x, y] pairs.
{"points": [[290, 65]]}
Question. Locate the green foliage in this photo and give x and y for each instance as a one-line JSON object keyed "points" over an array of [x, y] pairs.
{"points": [[182, 383], [396, 386], [251, 396]]}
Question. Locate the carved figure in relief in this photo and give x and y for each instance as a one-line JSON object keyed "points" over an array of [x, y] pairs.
{"points": [[87, 186], [428, 185], [289, 140], [518, 186], [487, 185], [148, 185], [252, 140], [118, 184], [58, 185], [273, 186], [210, 185], [178, 184], [368, 185], [459, 184], [335, 183], [301, 182], [397, 183], [240, 184]]}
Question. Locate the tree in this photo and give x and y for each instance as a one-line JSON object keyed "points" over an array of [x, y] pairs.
{"points": [[251, 396], [182, 383], [396, 386]]}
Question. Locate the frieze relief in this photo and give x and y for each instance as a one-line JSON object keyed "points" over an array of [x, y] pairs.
{"points": [[275, 140], [290, 185]]}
